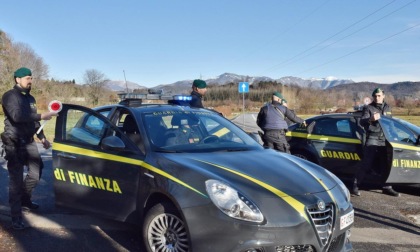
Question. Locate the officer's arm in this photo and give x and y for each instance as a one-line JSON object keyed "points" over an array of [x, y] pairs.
{"points": [[293, 117], [16, 112], [365, 119], [261, 117]]}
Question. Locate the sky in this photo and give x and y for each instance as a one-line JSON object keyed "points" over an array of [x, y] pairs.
{"points": [[163, 41]]}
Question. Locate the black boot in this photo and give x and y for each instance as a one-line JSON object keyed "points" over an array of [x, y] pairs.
{"points": [[389, 191], [29, 205], [355, 190], [17, 223]]}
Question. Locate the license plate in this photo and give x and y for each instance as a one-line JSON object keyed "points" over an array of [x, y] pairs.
{"points": [[346, 220]]}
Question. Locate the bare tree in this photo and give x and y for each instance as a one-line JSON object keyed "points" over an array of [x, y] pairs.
{"points": [[28, 58], [16, 55], [408, 103], [7, 63], [95, 81]]}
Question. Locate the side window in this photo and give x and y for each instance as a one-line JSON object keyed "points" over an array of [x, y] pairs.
{"points": [[333, 127], [85, 128], [105, 113], [325, 127], [344, 128]]}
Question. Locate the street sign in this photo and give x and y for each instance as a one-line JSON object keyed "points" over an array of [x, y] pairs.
{"points": [[243, 87]]}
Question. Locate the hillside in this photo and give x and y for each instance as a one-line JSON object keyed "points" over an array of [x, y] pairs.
{"points": [[398, 90]]}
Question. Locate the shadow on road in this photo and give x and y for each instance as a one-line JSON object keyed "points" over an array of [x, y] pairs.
{"points": [[57, 229]]}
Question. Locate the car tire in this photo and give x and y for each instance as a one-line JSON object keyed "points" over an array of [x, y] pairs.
{"points": [[164, 229]]}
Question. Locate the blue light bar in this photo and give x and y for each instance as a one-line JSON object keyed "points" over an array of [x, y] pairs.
{"points": [[136, 99], [182, 98]]}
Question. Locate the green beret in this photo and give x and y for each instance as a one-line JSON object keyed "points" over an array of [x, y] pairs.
{"points": [[377, 90], [199, 84], [22, 72], [278, 94]]}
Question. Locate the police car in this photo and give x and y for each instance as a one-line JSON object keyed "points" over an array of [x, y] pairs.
{"points": [[193, 181], [335, 142]]}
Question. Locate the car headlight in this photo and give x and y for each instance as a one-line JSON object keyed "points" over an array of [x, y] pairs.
{"points": [[232, 203], [342, 186]]}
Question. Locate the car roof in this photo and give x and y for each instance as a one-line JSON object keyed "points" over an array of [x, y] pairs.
{"points": [[149, 108], [348, 114], [150, 101]]}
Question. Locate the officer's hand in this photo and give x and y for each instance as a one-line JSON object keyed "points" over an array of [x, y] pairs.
{"points": [[376, 116], [304, 124], [45, 143], [48, 115]]}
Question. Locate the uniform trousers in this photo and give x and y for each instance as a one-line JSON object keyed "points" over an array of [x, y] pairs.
{"points": [[276, 139], [20, 189]]}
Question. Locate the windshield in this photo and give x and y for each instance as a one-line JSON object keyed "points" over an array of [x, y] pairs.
{"points": [[195, 131], [414, 128]]}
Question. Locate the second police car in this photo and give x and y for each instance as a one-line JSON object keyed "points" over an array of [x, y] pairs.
{"points": [[335, 141], [194, 181]]}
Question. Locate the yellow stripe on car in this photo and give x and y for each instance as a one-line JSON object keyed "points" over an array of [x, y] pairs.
{"points": [[404, 146], [299, 207], [121, 159], [323, 138]]}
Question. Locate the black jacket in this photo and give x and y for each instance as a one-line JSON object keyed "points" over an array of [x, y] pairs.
{"points": [[368, 111], [374, 131], [263, 118], [196, 100], [21, 117]]}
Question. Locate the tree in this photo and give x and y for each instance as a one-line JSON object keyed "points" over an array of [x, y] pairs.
{"points": [[7, 65], [16, 55], [95, 81]]}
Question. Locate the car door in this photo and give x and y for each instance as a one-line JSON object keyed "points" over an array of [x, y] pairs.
{"points": [[336, 143], [96, 167], [405, 160]]}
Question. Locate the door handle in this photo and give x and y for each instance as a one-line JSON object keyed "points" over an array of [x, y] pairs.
{"points": [[398, 150], [64, 155]]}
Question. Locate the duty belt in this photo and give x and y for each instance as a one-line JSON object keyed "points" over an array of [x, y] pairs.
{"points": [[375, 134], [281, 131], [23, 141]]}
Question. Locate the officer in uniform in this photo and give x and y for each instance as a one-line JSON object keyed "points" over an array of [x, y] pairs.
{"points": [[272, 120], [199, 89], [20, 124], [284, 103], [375, 147]]}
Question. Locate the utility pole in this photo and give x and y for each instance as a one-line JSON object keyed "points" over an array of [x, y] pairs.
{"points": [[126, 87]]}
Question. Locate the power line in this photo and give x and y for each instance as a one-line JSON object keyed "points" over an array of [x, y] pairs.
{"points": [[360, 49], [341, 31], [289, 28], [364, 27]]}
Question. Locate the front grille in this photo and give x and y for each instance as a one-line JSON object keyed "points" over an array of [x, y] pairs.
{"points": [[295, 248], [323, 222], [336, 243]]}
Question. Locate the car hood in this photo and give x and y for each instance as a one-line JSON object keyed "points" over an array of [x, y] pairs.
{"points": [[286, 174]]}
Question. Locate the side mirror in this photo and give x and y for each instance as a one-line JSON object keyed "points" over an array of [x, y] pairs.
{"points": [[112, 143]]}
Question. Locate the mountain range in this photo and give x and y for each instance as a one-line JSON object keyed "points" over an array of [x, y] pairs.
{"points": [[184, 86]]}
